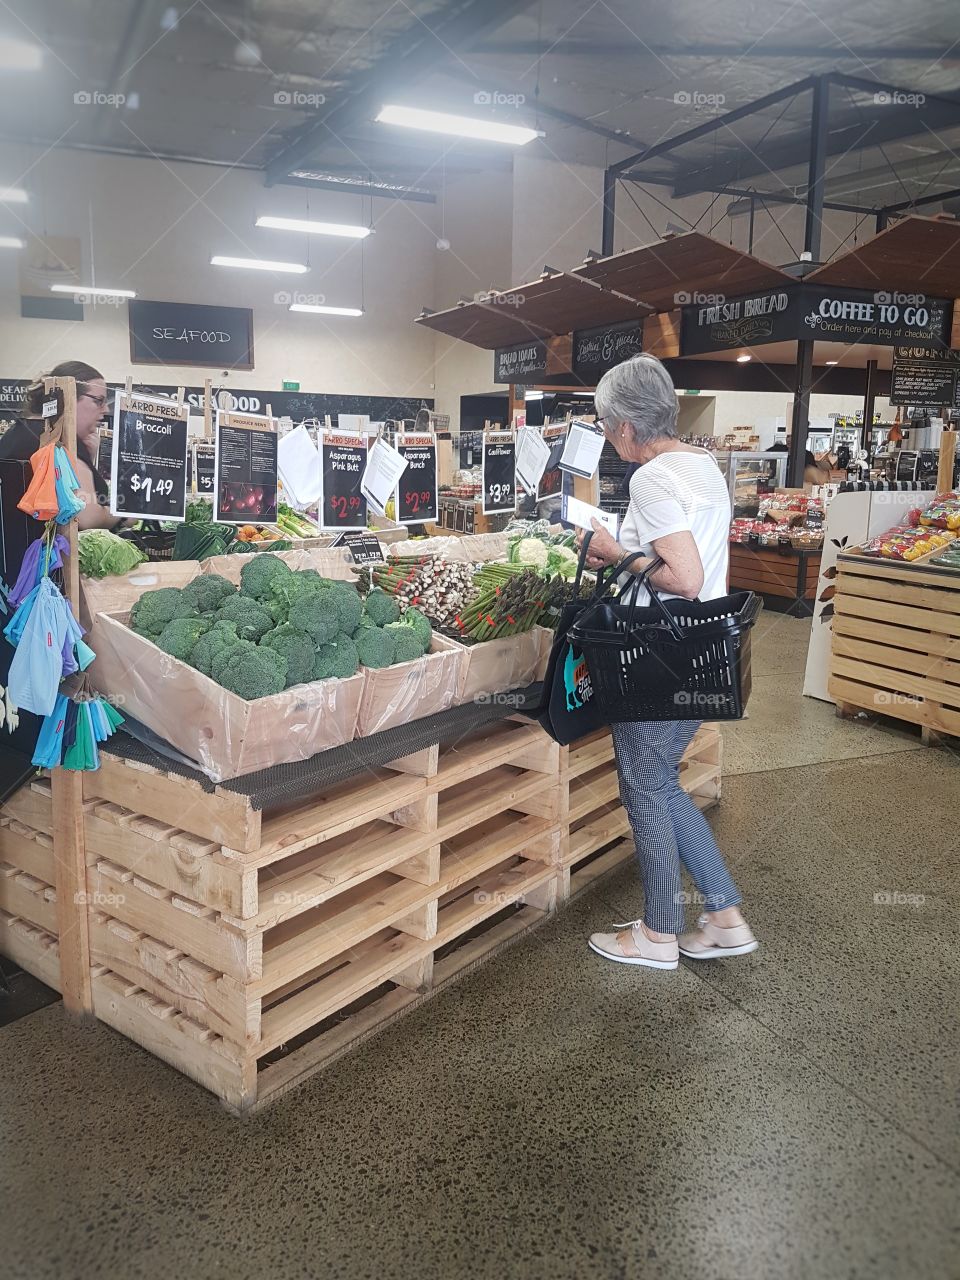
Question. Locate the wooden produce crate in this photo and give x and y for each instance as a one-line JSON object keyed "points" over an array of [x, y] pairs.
{"points": [[895, 648], [598, 837]]}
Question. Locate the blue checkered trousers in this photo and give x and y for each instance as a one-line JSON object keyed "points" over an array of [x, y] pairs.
{"points": [[667, 826]]}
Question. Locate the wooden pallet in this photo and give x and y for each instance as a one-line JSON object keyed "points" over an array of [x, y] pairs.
{"points": [[598, 835], [895, 649], [247, 963]]}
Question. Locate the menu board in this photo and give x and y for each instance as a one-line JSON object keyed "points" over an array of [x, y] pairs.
{"points": [[499, 471], [927, 379], [416, 498], [148, 458], [245, 477], [342, 462]]}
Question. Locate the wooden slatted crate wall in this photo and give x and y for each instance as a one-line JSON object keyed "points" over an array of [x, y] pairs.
{"points": [[895, 648]]}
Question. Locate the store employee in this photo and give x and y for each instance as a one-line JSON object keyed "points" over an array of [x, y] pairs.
{"points": [[22, 440]]}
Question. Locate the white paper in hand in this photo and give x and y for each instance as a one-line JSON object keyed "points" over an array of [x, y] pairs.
{"points": [[298, 465], [580, 513]]}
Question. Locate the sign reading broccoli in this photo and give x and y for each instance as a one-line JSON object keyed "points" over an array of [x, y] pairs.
{"points": [[148, 460]]}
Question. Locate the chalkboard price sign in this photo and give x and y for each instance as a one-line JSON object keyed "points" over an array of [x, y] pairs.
{"points": [[499, 470], [342, 460], [202, 468], [148, 459], [925, 379], [416, 499], [364, 548], [245, 481]]}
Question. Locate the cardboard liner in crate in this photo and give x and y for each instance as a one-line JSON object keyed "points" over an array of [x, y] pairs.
{"points": [[410, 690], [223, 734], [494, 666]]}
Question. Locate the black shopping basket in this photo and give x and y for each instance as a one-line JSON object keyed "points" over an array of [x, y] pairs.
{"points": [[670, 660]]}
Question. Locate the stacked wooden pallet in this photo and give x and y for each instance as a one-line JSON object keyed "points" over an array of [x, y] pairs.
{"points": [[248, 948], [896, 642]]}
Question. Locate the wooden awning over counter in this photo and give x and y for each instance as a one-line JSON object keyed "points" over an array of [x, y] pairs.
{"points": [[625, 286]]}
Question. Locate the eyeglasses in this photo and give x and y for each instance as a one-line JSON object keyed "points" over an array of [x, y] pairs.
{"points": [[99, 401]]}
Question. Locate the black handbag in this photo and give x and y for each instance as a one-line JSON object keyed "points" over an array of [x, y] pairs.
{"points": [[568, 709]]}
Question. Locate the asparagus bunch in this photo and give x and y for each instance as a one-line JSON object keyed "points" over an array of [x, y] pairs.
{"points": [[438, 588]]}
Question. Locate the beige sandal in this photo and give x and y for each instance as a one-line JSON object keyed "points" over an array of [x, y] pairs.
{"points": [[632, 946]]}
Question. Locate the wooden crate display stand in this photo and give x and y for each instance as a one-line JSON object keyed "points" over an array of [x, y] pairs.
{"points": [[895, 648], [250, 948]]}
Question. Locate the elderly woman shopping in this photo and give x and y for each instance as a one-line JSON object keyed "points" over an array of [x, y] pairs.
{"points": [[679, 511]]}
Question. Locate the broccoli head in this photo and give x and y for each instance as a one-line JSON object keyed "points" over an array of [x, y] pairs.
{"points": [[381, 607], [376, 647], [155, 609], [318, 614], [179, 636], [220, 637], [251, 618], [336, 661], [250, 671], [258, 575], [406, 640], [349, 606], [285, 590], [208, 591], [420, 623], [297, 647]]}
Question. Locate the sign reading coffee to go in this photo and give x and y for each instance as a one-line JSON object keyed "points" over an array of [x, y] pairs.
{"points": [[597, 350], [513, 363], [828, 314], [191, 333]]}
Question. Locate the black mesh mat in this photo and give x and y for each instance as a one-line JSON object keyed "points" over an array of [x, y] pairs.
{"points": [[288, 782]]}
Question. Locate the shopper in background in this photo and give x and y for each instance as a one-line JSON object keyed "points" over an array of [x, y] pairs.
{"points": [[814, 472], [680, 511], [23, 439]]}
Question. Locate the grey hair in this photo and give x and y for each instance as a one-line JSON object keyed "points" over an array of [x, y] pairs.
{"points": [[640, 392]]}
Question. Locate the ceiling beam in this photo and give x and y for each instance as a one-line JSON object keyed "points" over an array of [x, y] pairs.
{"points": [[417, 53], [711, 126], [754, 50], [877, 126]]}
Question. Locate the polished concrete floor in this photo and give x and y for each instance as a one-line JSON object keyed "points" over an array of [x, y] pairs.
{"points": [[791, 1114]]}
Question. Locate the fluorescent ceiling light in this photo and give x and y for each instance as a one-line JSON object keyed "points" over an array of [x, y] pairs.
{"points": [[13, 195], [459, 126], [10, 242], [93, 289], [314, 228], [258, 264], [743, 359], [325, 311], [831, 362], [17, 55]]}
